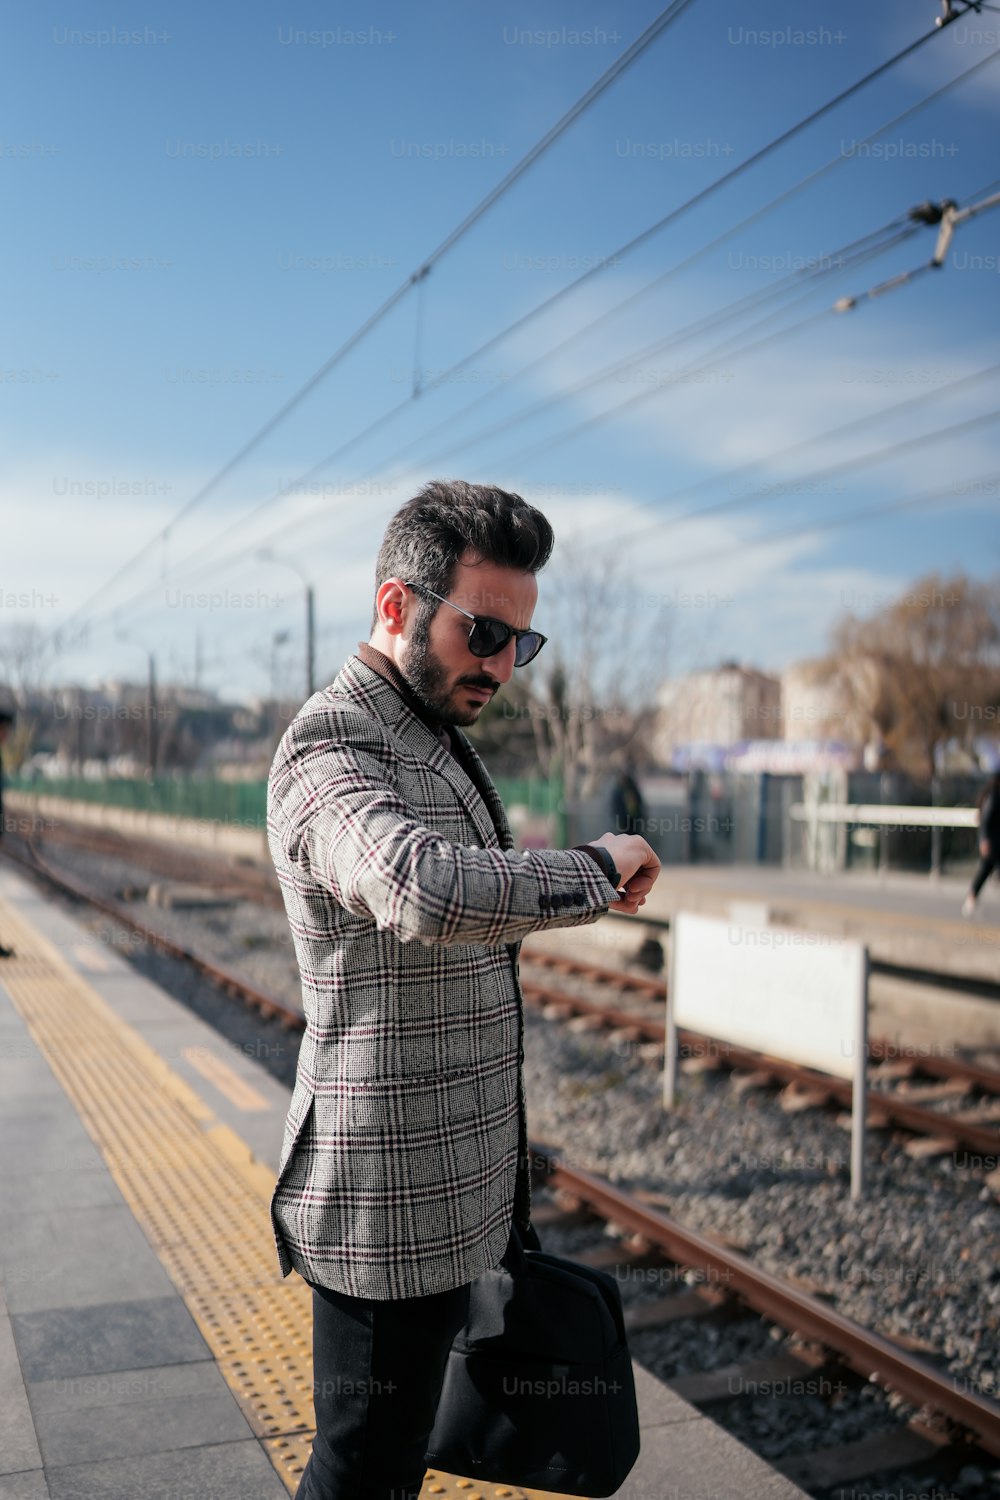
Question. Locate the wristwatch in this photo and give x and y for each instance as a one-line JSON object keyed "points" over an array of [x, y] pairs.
{"points": [[610, 869]]}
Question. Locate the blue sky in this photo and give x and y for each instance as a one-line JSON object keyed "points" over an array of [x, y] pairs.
{"points": [[206, 210]]}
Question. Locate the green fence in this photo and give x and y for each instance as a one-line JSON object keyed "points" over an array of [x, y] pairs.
{"points": [[242, 802]]}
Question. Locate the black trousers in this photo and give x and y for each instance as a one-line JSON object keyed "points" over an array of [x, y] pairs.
{"points": [[378, 1369], [983, 870]]}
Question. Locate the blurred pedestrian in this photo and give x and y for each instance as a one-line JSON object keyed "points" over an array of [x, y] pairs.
{"points": [[404, 1166], [989, 841], [6, 720], [627, 807]]}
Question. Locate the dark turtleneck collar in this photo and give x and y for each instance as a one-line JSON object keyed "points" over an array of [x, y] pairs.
{"points": [[386, 667], [439, 728]]}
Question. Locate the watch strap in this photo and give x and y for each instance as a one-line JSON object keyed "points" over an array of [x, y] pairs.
{"points": [[605, 859]]}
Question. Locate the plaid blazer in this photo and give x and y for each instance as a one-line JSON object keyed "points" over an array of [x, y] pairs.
{"points": [[405, 1155]]}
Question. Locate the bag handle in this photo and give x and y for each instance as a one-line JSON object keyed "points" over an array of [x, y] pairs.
{"points": [[514, 1258]]}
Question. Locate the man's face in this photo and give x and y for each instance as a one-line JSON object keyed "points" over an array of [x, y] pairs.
{"points": [[437, 662]]}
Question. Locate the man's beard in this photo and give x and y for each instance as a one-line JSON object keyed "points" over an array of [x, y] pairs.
{"points": [[428, 677]]}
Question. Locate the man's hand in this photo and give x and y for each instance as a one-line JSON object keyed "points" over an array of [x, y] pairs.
{"points": [[637, 865]]}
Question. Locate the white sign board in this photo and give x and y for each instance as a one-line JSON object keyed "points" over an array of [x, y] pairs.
{"points": [[786, 992]]}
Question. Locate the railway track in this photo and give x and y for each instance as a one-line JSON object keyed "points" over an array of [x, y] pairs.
{"points": [[828, 1354], [240, 879], [949, 1425], [899, 1100], [948, 1077]]}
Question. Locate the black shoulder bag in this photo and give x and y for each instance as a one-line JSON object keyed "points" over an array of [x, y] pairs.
{"points": [[538, 1390]]}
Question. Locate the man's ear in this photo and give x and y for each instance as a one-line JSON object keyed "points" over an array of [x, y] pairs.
{"points": [[391, 604]]}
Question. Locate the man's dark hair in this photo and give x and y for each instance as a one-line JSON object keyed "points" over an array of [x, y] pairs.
{"points": [[427, 536]]}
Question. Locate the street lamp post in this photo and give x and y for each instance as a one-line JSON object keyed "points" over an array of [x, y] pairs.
{"points": [[151, 746], [277, 639], [266, 555]]}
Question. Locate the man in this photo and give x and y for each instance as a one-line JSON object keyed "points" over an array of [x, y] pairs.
{"points": [[404, 1163], [627, 806], [6, 720], [989, 842]]}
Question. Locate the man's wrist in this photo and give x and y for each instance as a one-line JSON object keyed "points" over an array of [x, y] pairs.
{"points": [[606, 860]]}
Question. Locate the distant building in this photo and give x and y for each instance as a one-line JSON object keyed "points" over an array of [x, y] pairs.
{"points": [[793, 757], [814, 705], [721, 708]]}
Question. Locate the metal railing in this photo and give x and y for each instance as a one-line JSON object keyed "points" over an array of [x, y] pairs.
{"points": [[878, 815]]}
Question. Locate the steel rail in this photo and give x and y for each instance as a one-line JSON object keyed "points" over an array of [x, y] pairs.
{"points": [[964, 984], [925, 1122], [869, 1354], [983, 1077], [873, 1357], [268, 1006], [933, 1064]]}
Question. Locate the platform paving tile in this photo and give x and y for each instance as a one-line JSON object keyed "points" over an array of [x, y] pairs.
{"points": [[126, 1398], [31, 1192], [223, 1471], [25, 1078], [135, 999], [658, 1405], [31, 1484], [63, 1342], [78, 1257], [46, 1121], [124, 1413], [50, 1157], [696, 1460], [18, 1445]]}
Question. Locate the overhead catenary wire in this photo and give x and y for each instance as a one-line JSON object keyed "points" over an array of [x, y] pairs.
{"points": [[281, 531], [769, 459], [837, 262], [829, 471], [644, 40], [723, 351], [388, 416], [697, 370], [760, 294], [905, 278], [633, 297], [861, 461], [666, 17], [989, 483], [542, 359]]}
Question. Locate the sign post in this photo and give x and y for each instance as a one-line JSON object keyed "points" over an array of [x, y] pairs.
{"points": [[786, 992]]}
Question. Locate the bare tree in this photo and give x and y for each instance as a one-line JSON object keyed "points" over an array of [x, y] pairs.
{"points": [[590, 701], [923, 670], [26, 653]]}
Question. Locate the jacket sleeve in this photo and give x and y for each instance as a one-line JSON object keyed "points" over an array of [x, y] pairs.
{"points": [[334, 813]]}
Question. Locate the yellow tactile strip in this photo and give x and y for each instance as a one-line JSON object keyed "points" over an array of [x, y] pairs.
{"points": [[198, 1194]]}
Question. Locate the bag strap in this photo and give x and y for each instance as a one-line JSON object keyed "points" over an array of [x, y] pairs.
{"points": [[514, 1258]]}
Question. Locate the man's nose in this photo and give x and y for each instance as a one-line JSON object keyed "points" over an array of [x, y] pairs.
{"points": [[501, 664]]}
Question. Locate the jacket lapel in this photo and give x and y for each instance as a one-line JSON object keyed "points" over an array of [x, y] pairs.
{"points": [[498, 816], [359, 683]]}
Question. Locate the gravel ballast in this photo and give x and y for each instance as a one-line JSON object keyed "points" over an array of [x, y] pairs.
{"points": [[918, 1258]]}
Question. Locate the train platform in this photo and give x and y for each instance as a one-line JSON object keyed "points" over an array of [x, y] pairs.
{"points": [[906, 920], [149, 1349], [891, 897]]}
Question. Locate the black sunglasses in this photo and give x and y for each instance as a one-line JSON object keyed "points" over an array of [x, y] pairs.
{"points": [[488, 636]]}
